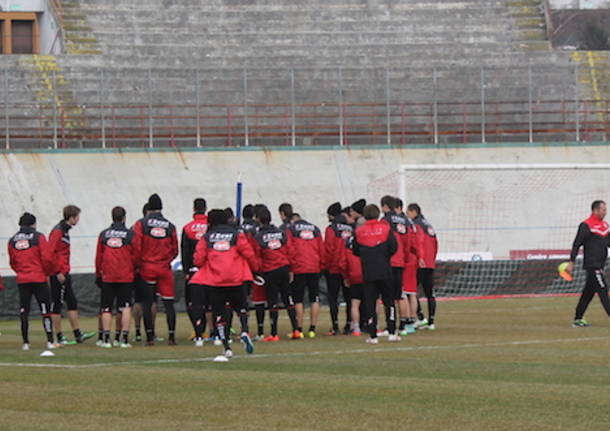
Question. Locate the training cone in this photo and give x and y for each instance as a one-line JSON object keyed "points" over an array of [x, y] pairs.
{"points": [[220, 358], [563, 271], [47, 354]]}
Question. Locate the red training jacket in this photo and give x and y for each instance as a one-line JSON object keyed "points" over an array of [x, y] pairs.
{"points": [[29, 257], [156, 240], [335, 237], [116, 255], [224, 258], [59, 248], [306, 247], [192, 232], [272, 248], [427, 237]]}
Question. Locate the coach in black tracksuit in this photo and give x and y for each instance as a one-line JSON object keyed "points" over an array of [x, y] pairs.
{"points": [[594, 235]]}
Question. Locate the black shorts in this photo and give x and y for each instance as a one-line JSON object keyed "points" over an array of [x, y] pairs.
{"points": [[234, 296], [312, 282], [356, 291], [397, 282], [141, 290], [122, 292], [61, 293], [40, 291]]}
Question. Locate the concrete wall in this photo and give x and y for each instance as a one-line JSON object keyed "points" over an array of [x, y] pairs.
{"points": [[580, 4], [311, 179]]}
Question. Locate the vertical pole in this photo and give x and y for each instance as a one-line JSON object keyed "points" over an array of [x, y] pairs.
{"points": [[293, 108], [151, 143], [54, 112], [482, 105], [387, 107], [402, 184], [246, 124], [102, 113], [341, 131], [577, 96], [198, 108], [435, 105], [529, 104], [7, 132]]}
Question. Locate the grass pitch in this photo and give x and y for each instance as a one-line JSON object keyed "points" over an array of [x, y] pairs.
{"points": [[508, 364]]}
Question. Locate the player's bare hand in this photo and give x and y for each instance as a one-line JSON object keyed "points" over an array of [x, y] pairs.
{"points": [[570, 267], [61, 278], [291, 276], [422, 263]]}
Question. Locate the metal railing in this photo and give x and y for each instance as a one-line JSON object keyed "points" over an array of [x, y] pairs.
{"points": [[114, 109]]}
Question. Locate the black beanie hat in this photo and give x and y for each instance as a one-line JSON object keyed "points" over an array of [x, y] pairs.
{"points": [[217, 217], [154, 203], [27, 219], [359, 205], [334, 209]]}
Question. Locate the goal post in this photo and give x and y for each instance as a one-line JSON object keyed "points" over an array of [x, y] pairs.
{"points": [[501, 227]]}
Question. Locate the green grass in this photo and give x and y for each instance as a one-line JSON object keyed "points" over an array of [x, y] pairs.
{"points": [[510, 364]]}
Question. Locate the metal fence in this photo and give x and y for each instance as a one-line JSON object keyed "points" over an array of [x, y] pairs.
{"points": [[163, 107]]}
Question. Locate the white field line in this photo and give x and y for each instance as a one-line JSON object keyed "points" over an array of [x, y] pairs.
{"points": [[319, 353]]}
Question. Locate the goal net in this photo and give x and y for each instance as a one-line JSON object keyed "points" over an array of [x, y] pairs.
{"points": [[502, 229]]}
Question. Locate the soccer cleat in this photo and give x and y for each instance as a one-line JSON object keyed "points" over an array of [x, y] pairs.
{"points": [[171, 342], [84, 337], [99, 343], [271, 338], [431, 327], [106, 346], [159, 339], [580, 323], [228, 353], [137, 338], [384, 333], [421, 324], [51, 346], [199, 342], [217, 341], [149, 343], [125, 346], [347, 330], [311, 334], [404, 332], [245, 339], [372, 340], [258, 337], [356, 333], [393, 338], [116, 343], [332, 332], [296, 335], [25, 347]]}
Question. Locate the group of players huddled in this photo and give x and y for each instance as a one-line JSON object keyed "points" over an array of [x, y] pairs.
{"points": [[367, 253]]}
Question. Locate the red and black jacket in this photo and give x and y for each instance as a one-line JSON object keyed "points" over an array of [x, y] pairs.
{"points": [[306, 248], [429, 242], [400, 226], [335, 237], [59, 248], [116, 255], [594, 235], [156, 240], [351, 267], [192, 232], [375, 243], [29, 256], [272, 248], [224, 257]]}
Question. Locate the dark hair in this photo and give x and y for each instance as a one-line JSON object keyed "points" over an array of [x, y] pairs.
{"points": [[414, 207], [229, 212], [118, 214], [217, 216], [596, 204], [248, 211], [264, 216], [399, 203], [389, 201], [285, 209], [71, 211], [27, 219], [371, 212], [258, 208], [199, 206], [145, 209], [295, 217]]}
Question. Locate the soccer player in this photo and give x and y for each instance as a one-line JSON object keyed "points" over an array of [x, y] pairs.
{"points": [[307, 261], [139, 290], [352, 278], [272, 248], [249, 227], [225, 260], [61, 282], [192, 232], [594, 235], [29, 258], [425, 272], [375, 243], [335, 237], [399, 226], [356, 210], [157, 242], [115, 263], [285, 211]]}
